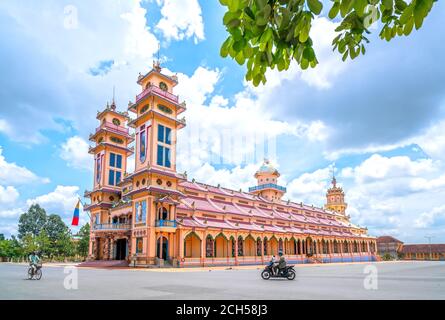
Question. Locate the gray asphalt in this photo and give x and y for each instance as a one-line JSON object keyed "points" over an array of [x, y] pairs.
{"points": [[401, 280]]}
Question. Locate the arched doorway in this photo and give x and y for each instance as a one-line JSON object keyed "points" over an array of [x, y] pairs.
{"points": [[192, 246], [221, 247], [162, 248], [120, 249], [249, 246], [273, 246]]}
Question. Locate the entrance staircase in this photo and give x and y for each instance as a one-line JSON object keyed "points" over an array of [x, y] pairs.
{"points": [[104, 264]]}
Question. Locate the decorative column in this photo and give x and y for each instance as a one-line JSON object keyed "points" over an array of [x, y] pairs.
{"points": [[262, 249], [181, 245], [161, 240], [236, 249], [203, 248]]}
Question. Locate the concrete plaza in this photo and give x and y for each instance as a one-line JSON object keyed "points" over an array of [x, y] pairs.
{"points": [[395, 280]]}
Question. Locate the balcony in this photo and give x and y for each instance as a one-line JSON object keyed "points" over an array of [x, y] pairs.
{"points": [[158, 91], [166, 225], [112, 227], [267, 186]]}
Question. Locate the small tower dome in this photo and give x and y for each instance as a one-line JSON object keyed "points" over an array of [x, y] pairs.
{"points": [[267, 176]]}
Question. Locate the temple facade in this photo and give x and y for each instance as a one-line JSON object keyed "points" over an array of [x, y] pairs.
{"points": [[156, 216]]}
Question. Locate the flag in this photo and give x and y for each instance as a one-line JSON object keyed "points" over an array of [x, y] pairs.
{"points": [[76, 215]]}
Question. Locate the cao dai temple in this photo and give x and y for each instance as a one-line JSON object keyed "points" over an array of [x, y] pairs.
{"points": [[156, 216]]}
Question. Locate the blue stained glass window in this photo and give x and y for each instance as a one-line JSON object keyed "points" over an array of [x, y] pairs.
{"points": [[167, 158], [112, 159], [168, 132], [160, 158], [111, 178], [119, 161], [161, 135]]}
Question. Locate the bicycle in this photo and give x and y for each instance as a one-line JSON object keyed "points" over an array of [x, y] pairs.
{"points": [[37, 274]]}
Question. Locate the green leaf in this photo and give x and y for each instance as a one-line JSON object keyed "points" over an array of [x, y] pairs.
{"points": [[408, 26], [224, 52], [345, 7], [240, 58], [304, 34], [406, 14], [388, 3], [315, 6], [359, 6], [334, 10]]}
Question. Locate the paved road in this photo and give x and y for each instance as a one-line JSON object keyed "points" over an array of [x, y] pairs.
{"points": [[399, 280]]}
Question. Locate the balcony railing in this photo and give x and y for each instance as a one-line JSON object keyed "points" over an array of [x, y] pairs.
{"points": [[112, 126], [166, 223], [112, 226], [267, 186], [153, 89]]}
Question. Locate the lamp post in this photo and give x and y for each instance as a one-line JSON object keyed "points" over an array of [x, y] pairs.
{"points": [[429, 242]]}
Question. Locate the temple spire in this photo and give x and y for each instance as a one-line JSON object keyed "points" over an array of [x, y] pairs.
{"points": [[334, 181]]}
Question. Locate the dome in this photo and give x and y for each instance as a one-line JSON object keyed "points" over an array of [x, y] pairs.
{"points": [[267, 168]]}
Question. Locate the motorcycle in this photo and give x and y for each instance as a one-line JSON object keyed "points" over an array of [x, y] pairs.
{"points": [[288, 272]]}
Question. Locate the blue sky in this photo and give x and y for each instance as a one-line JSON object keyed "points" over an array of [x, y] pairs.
{"points": [[380, 118]]}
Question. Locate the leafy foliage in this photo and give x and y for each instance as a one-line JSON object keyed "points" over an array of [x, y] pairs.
{"points": [[265, 34], [32, 221], [84, 239]]}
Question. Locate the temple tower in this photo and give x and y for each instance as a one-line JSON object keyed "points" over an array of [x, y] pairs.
{"points": [[110, 150], [267, 186], [153, 185], [335, 198]]}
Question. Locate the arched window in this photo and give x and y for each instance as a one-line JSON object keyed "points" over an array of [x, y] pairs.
{"points": [[163, 86], [209, 246], [345, 247], [335, 246], [240, 246], [162, 213], [258, 247]]}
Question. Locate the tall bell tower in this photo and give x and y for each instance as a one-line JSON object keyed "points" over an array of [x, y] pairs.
{"points": [[110, 150], [153, 185], [335, 198]]}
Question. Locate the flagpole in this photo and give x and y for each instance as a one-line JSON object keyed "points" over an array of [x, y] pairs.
{"points": [[83, 205]]}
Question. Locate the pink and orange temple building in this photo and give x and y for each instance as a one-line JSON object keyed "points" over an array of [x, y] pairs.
{"points": [[155, 216]]}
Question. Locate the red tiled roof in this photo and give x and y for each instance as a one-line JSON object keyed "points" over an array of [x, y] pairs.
{"points": [[219, 206], [423, 248], [387, 239]]}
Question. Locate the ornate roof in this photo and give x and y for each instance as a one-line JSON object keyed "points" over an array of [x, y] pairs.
{"points": [[267, 168]]}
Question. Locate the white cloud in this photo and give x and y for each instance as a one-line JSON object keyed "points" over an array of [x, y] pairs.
{"points": [[75, 152], [378, 167], [434, 217], [61, 201], [310, 187], [66, 88], [8, 195], [181, 19], [12, 174]]}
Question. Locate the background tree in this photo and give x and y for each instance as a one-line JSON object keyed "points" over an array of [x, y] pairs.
{"points": [[84, 239], [271, 33], [32, 221]]}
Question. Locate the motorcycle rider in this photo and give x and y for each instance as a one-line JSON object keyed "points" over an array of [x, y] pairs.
{"points": [[282, 262], [272, 263]]}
